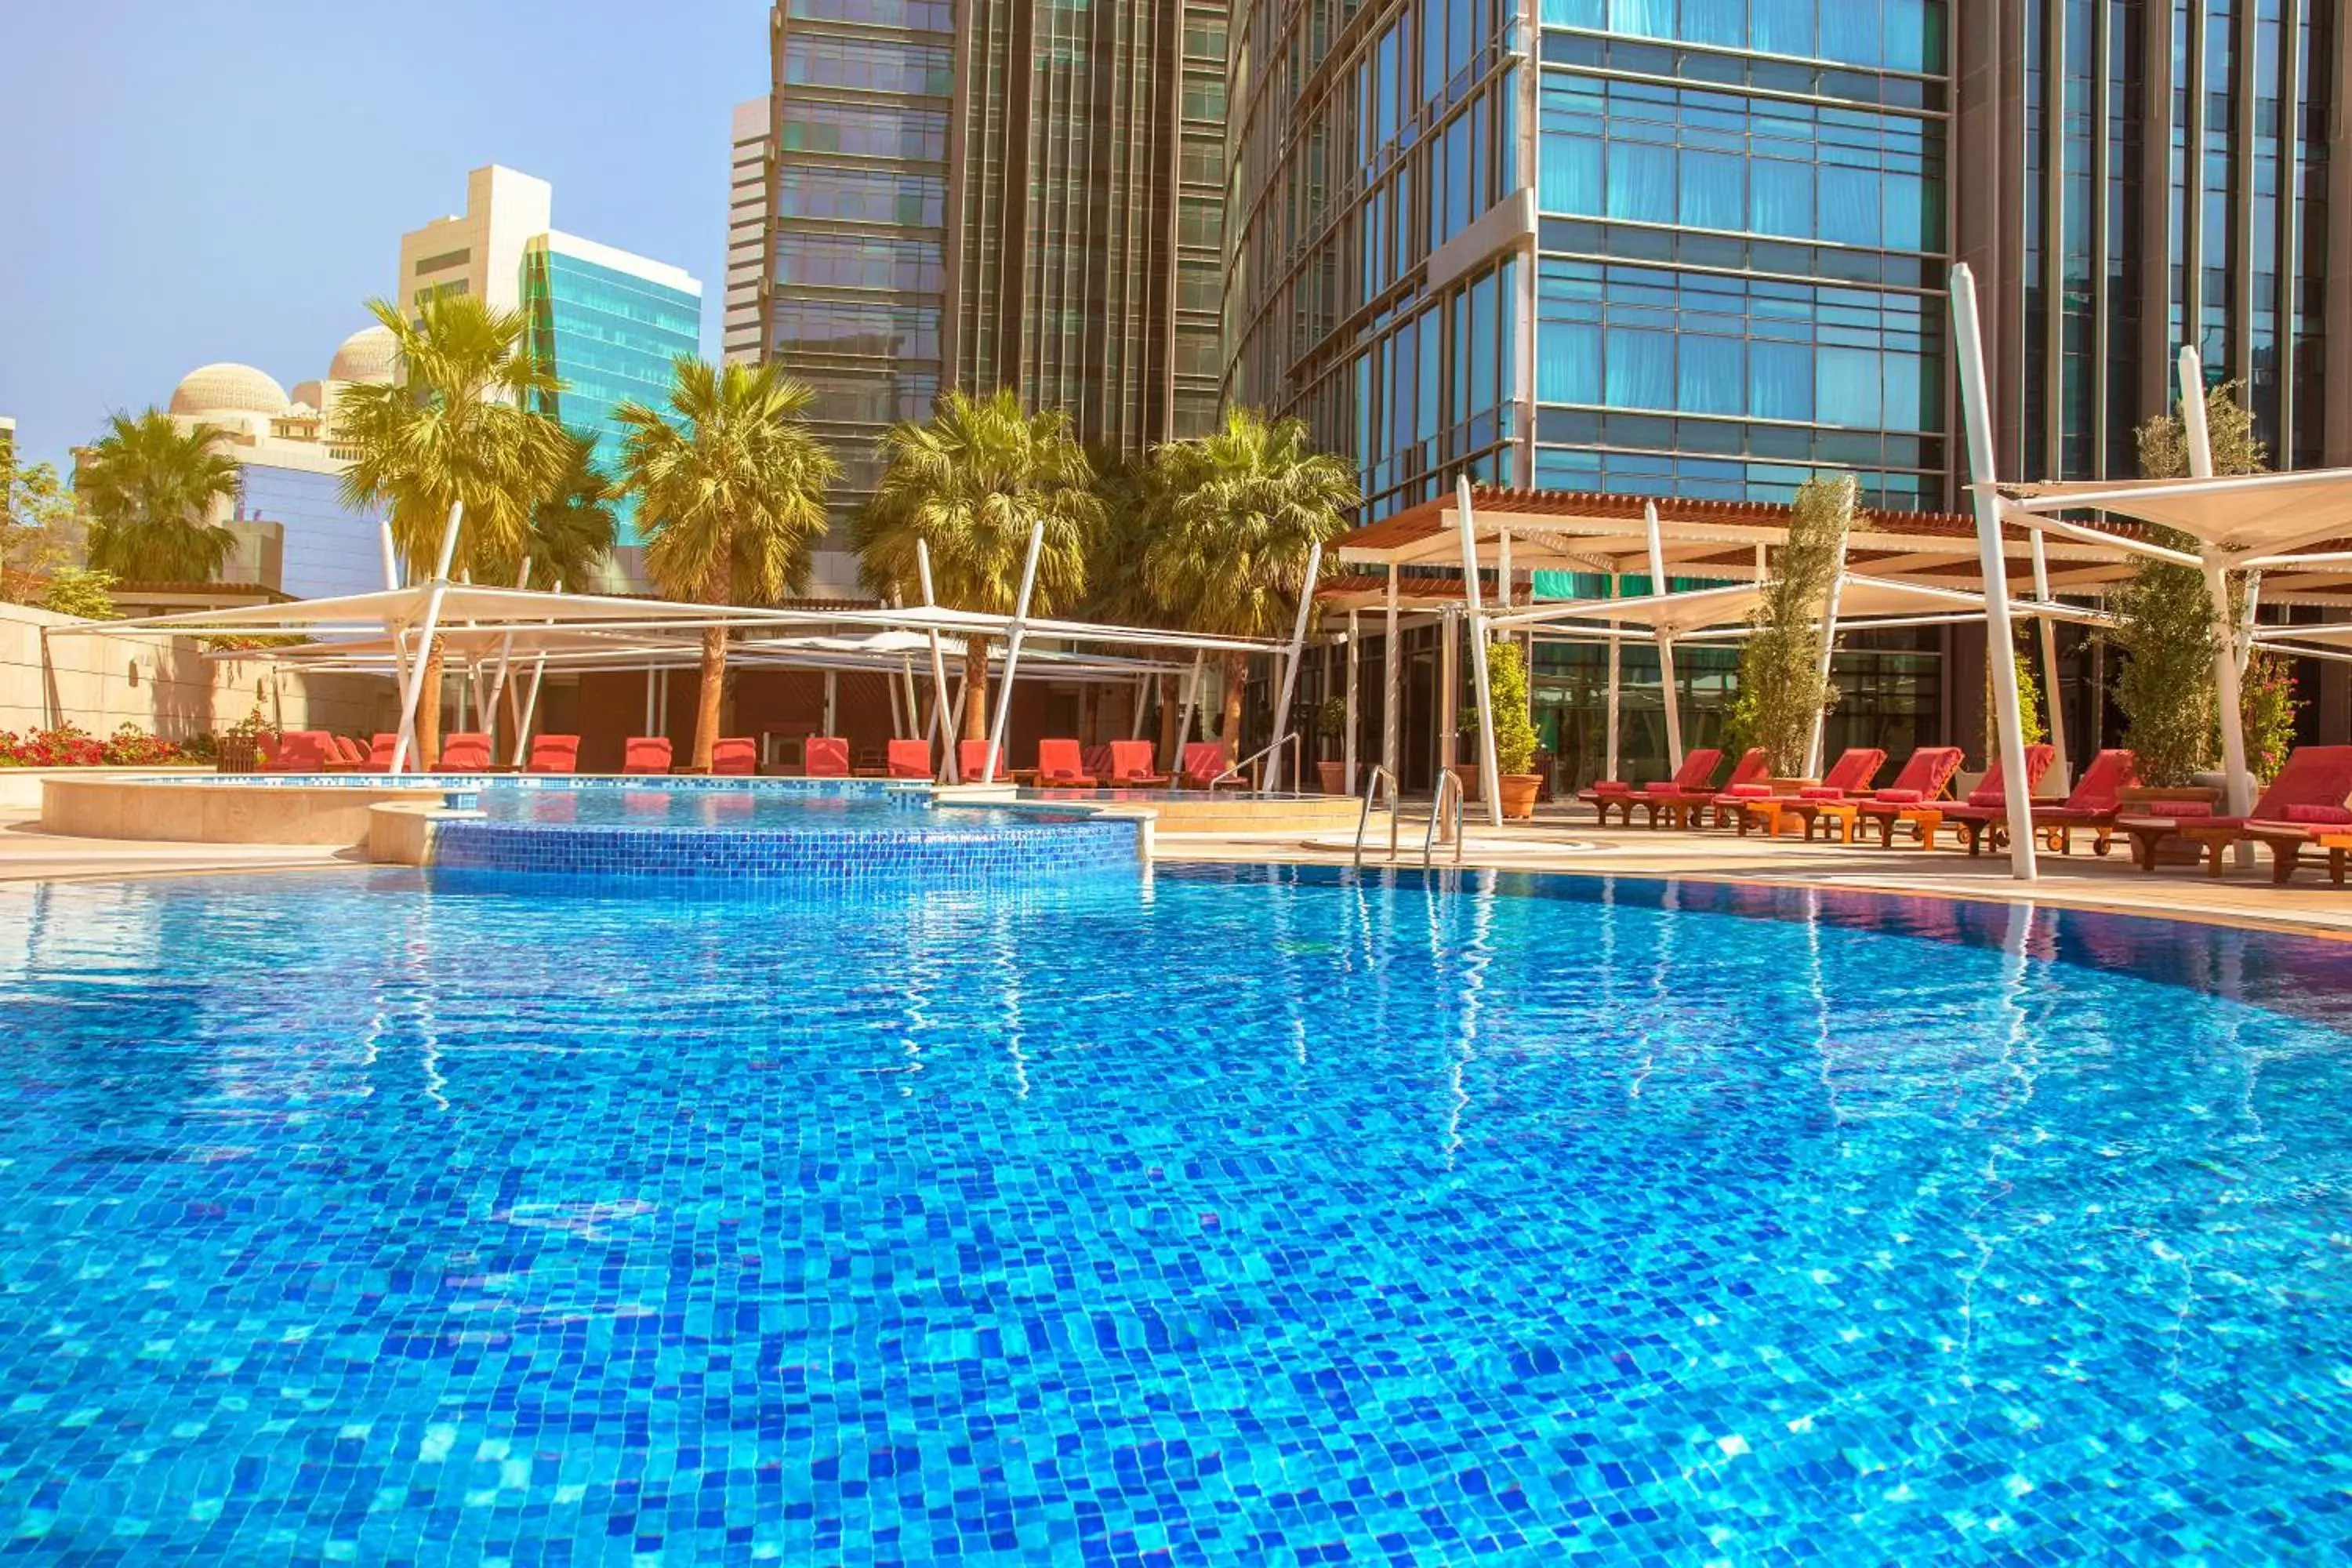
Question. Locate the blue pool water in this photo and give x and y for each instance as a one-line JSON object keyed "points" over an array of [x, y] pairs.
{"points": [[1225, 1217], [611, 805]]}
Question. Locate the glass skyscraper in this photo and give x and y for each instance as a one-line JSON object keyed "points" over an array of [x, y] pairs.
{"points": [[1699, 246], [613, 326], [1035, 201], [1692, 250]]}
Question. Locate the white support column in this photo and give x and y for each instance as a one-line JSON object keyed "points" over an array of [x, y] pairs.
{"points": [[1392, 689], [1348, 736], [1143, 687], [390, 556], [833, 702], [1290, 664], [1975, 409], [649, 700], [1012, 652], [1669, 689], [2238, 797], [897, 720], [2048, 628], [529, 710], [422, 659], [941, 726], [914, 704], [1814, 747], [1488, 776], [1449, 681], [1616, 647], [2246, 631]]}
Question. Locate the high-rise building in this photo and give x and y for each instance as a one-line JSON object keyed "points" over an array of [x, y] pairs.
{"points": [[1700, 247], [611, 324], [1033, 200], [2138, 174], [751, 151]]}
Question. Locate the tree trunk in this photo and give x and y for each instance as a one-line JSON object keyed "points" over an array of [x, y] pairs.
{"points": [[428, 709], [1229, 728], [707, 700], [975, 697]]}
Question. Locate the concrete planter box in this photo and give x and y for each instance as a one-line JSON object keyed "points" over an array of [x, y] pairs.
{"points": [[20, 788]]}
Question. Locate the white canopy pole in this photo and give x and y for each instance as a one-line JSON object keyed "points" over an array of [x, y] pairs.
{"points": [[649, 700], [1667, 686], [1290, 664], [505, 666], [2048, 627], [390, 556], [1609, 767], [2238, 798], [414, 692], [1814, 747], [1348, 734], [947, 736], [1976, 408], [897, 720], [832, 701], [1143, 684], [1487, 773], [2246, 632], [1392, 685], [1012, 652], [914, 706]]}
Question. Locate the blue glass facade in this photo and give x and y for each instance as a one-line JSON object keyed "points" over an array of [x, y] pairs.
{"points": [[329, 548], [1742, 248], [612, 336], [1692, 248]]}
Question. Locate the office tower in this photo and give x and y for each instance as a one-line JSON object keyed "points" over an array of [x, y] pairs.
{"points": [[611, 324], [2135, 176], [1033, 200]]}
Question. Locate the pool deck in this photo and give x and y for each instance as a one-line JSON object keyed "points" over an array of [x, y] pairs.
{"points": [[1554, 842]]}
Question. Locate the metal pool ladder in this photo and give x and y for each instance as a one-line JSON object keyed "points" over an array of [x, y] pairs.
{"points": [[1449, 783], [1363, 818]]}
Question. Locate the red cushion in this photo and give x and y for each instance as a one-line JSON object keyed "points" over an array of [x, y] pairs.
{"points": [[1751, 791], [1899, 796], [2325, 815], [1821, 791], [1612, 786], [2179, 808]]}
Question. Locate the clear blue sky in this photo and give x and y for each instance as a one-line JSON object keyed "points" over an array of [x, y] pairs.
{"points": [[185, 180]]}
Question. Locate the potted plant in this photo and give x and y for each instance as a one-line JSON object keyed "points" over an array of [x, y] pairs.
{"points": [[1331, 724], [1514, 731], [239, 749]]}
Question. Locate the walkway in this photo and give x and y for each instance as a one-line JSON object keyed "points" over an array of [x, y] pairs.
{"points": [[1560, 842], [27, 853]]}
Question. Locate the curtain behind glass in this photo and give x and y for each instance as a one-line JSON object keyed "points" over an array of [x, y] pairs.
{"points": [[1640, 372], [1714, 190], [1780, 197], [1641, 182]]}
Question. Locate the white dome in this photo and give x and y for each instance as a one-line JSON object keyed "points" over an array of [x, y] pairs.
{"points": [[371, 354], [228, 389]]}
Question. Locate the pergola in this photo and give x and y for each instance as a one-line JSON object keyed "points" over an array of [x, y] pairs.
{"points": [[2298, 523], [1915, 570], [493, 631]]}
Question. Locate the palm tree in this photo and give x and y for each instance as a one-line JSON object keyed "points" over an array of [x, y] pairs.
{"points": [[150, 490], [730, 498], [972, 482], [458, 427], [573, 526], [1242, 508]]}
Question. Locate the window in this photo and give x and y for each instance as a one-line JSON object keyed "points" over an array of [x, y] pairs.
{"points": [[442, 262], [824, 126], [877, 65], [861, 195]]}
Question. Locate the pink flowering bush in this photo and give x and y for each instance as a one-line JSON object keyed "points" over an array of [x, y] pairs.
{"points": [[70, 747]]}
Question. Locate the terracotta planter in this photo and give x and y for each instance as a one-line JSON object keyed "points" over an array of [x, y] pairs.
{"points": [[1518, 793], [1332, 777]]}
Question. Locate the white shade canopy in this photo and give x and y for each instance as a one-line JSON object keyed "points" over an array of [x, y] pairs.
{"points": [[2243, 518], [1859, 598]]}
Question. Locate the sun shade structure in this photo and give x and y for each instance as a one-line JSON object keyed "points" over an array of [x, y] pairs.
{"points": [[2295, 528], [486, 631]]}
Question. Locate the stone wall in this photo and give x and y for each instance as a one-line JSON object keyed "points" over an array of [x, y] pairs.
{"points": [[165, 685]]}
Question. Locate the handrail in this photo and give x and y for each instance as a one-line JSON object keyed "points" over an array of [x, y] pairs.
{"points": [[1364, 817], [1446, 780], [1234, 772]]}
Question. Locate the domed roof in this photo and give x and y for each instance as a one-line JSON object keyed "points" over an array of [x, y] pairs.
{"points": [[371, 354], [226, 389]]}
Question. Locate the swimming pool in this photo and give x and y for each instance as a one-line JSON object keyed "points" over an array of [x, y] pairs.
{"points": [[1217, 1216]]}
